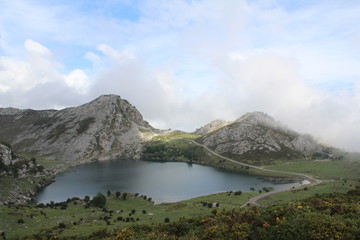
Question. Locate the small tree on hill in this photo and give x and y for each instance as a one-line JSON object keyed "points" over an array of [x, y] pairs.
{"points": [[124, 196], [99, 200], [117, 194]]}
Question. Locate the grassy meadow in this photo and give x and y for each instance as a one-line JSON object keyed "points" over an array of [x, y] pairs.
{"points": [[78, 220]]}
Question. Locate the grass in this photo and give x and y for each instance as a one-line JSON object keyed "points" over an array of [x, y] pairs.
{"points": [[326, 187], [174, 135], [45, 161], [84, 221], [348, 168], [11, 187]]}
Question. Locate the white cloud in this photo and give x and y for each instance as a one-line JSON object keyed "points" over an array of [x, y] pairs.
{"points": [[37, 70], [37, 49], [78, 80]]}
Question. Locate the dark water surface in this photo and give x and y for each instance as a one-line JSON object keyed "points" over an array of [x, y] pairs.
{"points": [[163, 182]]}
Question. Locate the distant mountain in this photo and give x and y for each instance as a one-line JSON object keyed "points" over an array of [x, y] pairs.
{"points": [[108, 127], [257, 136]]}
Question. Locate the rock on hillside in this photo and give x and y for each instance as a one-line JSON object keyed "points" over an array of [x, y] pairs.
{"points": [[13, 165], [210, 127], [107, 127], [257, 136], [7, 156]]}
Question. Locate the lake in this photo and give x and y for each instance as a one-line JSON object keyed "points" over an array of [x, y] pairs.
{"points": [[162, 181]]}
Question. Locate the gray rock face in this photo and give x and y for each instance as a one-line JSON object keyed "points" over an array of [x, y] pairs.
{"points": [[210, 127], [107, 127], [7, 156], [257, 135]]}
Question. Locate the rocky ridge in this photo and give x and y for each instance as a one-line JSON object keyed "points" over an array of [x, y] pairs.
{"points": [[258, 136]]}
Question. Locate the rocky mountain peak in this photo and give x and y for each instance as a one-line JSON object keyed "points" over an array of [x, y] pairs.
{"points": [[259, 136], [210, 127], [9, 111], [107, 127]]}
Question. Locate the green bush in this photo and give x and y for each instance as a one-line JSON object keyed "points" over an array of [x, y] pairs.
{"points": [[20, 221], [99, 200], [62, 225]]}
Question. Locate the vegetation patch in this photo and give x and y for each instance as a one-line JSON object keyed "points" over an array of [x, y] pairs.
{"points": [[85, 124], [172, 135]]}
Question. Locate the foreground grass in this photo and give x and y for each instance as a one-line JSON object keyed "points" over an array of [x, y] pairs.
{"points": [[325, 216], [81, 221]]}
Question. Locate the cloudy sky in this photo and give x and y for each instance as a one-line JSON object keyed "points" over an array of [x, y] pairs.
{"points": [[185, 63]]}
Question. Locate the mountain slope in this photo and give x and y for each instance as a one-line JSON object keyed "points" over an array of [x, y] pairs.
{"points": [[105, 128], [257, 136]]}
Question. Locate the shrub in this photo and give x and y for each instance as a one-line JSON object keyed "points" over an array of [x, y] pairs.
{"points": [[20, 221], [117, 194], [99, 200], [85, 124], [62, 225], [167, 220], [124, 196]]}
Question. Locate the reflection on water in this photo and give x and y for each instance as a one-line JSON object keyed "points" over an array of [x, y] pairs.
{"points": [[163, 182]]}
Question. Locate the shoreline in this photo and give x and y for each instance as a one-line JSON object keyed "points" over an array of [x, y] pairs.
{"points": [[249, 169]]}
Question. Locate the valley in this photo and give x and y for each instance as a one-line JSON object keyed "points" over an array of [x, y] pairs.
{"points": [[38, 145]]}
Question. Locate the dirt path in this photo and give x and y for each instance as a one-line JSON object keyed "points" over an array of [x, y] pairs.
{"points": [[312, 180]]}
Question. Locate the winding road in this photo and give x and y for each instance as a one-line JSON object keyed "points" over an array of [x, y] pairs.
{"points": [[312, 180]]}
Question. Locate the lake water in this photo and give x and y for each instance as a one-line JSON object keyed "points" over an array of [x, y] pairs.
{"points": [[163, 182]]}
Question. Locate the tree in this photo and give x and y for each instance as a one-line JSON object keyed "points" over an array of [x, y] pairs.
{"points": [[117, 194], [124, 196], [108, 193], [99, 200], [87, 198]]}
